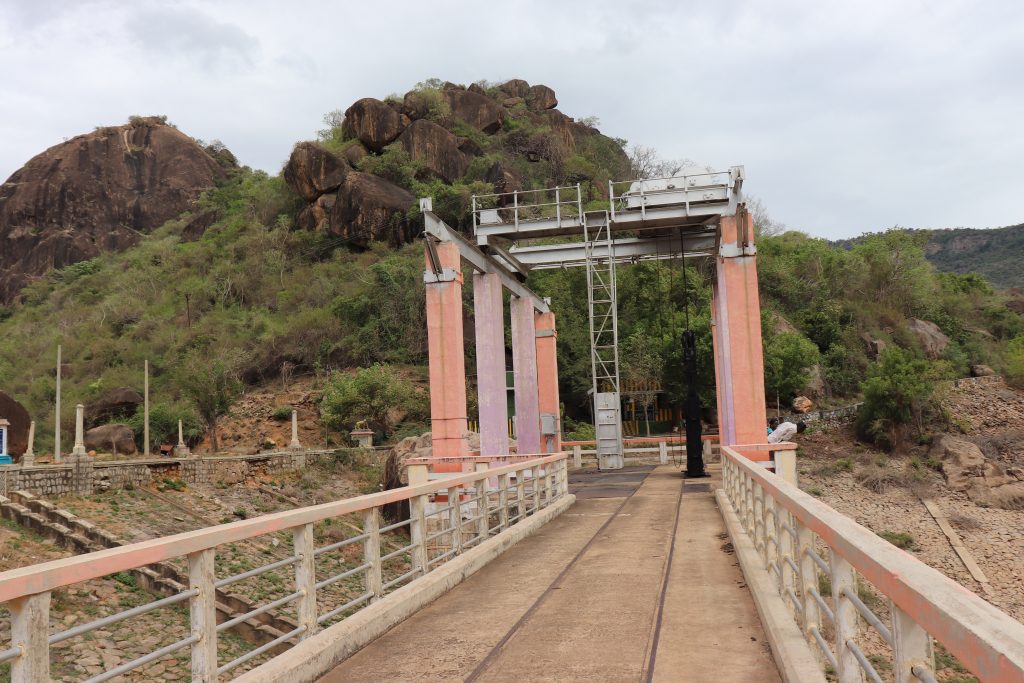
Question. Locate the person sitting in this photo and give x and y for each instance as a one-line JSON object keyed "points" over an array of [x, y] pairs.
{"points": [[773, 424], [786, 431]]}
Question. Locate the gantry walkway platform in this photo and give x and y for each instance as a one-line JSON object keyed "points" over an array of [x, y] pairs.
{"points": [[635, 582]]}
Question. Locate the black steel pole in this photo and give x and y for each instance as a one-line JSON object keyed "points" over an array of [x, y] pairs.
{"points": [[694, 445]]}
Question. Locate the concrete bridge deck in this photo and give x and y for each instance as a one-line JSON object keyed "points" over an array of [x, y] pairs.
{"points": [[636, 582]]}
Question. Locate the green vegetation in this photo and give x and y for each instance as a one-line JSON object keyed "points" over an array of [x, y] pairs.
{"points": [[374, 394], [1015, 361], [993, 254], [282, 413], [899, 539], [898, 392]]}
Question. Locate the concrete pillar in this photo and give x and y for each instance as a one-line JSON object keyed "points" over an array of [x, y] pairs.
{"points": [[56, 408], [145, 408], [524, 368], [181, 450], [295, 445], [30, 455], [739, 358], [489, 320], [547, 381], [79, 448], [447, 356]]}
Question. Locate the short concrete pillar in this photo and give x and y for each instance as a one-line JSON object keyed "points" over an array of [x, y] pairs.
{"points": [[29, 458], [79, 449], [181, 450], [662, 452], [364, 437], [785, 465], [295, 445], [577, 456]]}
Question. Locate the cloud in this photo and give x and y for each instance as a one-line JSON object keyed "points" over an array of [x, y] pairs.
{"points": [[182, 33]]}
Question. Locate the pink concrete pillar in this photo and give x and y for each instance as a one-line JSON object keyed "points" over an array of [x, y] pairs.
{"points": [[524, 367], [740, 360], [489, 318], [547, 378], [447, 357]]}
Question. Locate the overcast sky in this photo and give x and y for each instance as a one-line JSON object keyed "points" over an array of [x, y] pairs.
{"points": [[849, 116]]}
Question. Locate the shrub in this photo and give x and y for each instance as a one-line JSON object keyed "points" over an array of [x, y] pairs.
{"points": [[374, 394], [1015, 362], [788, 359], [897, 392], [899, 539], [282, 413]]}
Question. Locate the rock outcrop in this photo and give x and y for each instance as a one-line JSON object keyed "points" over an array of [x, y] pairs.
{"points": [[17, 430], [371, 208], [118, 439], [435, 149], [114, 404], [312, 170], [479, 111], [967, 469], [96, 193], [375, 124], [932, 339]]}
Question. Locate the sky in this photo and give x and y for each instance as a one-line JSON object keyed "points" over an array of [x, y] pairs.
{"points": [[849, 116]]}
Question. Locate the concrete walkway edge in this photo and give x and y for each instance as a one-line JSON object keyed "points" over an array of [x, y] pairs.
{"points": [[793, 656], [312, 658]]}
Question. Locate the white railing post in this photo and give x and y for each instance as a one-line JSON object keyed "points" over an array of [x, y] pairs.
{"points": [[548, 474], [771, 539], [577, 456], [520, 494], [30, 631], [912, 646], [203, 616], [305, 578], [785, 465], [758, 518], [483, 504], [371, 554], [565, 476], [535, 476], [662, 452], [418, 474], [503, 482], [786, 555], [811, 617], [455, 518], [844, 582]]}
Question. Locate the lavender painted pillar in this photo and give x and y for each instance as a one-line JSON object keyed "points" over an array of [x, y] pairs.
{"points": [[489, 318], [524, 366]]}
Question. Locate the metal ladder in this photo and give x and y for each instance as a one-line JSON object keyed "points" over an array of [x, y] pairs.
{"points": [[602, 301]]}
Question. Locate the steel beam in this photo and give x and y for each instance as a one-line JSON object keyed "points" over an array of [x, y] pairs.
{"points": [[480, 261], [626, 250]]}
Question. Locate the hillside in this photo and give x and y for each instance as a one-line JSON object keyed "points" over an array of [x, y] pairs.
{"points": [[316, 271], [995, 254]]}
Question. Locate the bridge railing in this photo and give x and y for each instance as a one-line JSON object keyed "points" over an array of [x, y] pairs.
{"points": [[319, 583], [831, 573], [635, 446]]}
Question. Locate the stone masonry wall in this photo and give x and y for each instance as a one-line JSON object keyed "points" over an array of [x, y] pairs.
{"points": [[83, 477]]}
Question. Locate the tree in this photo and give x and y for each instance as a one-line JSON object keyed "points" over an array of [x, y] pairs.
{"points": [[645, 162], [788, 359], [1015, 361], [641, 370], [897, 392], [373, 394], [212, 384]]}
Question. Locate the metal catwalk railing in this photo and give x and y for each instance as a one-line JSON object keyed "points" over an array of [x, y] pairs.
{"points": [[831, 572], [448, 516]]}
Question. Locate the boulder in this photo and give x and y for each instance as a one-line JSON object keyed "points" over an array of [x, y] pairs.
{"points": [[815, 386], [802, 404], [415, 105], [373, 123], [504, 180], [316, 216], [118, 439], [932, 339], [982, 371], [436, 148], [515, 88], [95, 193], [197, 225], [510, 102], [354, 153], [477, 88], [312, 170], [479, 111], [114, 404], [966, 469], [17, 430], [371, 208], [568, 131], [469, 146], [541, 97]]}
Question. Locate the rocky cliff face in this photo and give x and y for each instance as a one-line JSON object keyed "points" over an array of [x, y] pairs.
{"points": [[97, 192], [442, 131]]}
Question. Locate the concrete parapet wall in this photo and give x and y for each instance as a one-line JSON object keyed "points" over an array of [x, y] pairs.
{"points": [[87, 476]]}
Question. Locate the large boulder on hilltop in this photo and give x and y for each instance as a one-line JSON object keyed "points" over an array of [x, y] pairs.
{"points": [[932, 339], [354, 153], [371, 208], [436, 149], [477, 110], [516, 87], [569, 132], [312, 170], [94, 193], [17, 430], [504, 180], [373, 123], [116, 403], [541, 97], [118, 439], [316, 216]]}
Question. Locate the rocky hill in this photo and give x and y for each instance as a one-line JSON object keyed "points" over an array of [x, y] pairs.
{"points": [[98, 192], [996, 254]]}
